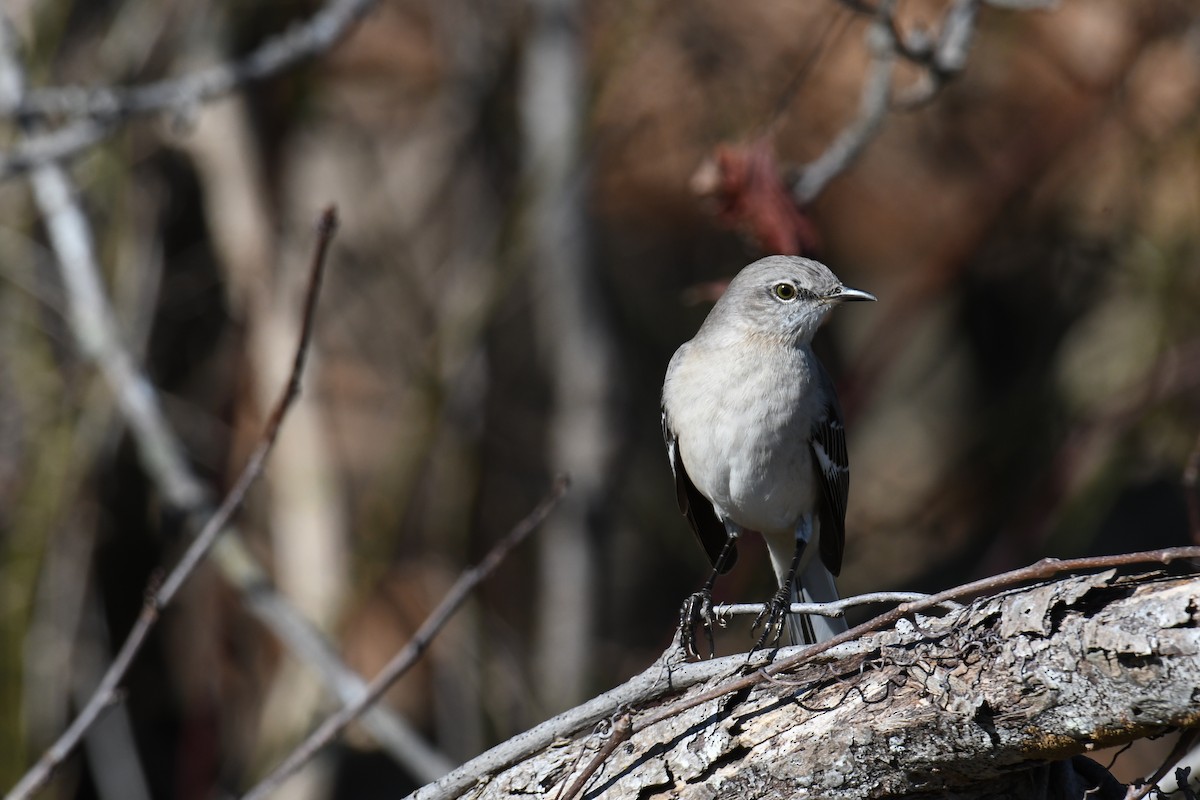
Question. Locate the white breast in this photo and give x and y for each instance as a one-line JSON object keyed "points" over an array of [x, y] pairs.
{"points": [[742, 421]]}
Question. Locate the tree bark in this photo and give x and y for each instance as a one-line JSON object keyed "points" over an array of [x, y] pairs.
{"points": [[992, 700]]}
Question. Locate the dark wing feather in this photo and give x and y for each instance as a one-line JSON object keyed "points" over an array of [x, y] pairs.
{"points": [[695, 506], [832, 465]]}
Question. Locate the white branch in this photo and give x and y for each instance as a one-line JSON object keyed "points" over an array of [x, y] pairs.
{"points": [[835, 609]]}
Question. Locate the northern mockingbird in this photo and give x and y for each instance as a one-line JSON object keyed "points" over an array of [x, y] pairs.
{"points": [[755, 438]]}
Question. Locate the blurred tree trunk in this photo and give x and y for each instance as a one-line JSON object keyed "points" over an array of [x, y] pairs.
{"points": [[576, 345], [304, 512]]}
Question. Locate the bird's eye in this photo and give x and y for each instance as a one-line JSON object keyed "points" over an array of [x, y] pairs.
{"points": [[784, 291]]}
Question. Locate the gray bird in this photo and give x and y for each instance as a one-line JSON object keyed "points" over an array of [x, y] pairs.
{"points": [[755, 438]]}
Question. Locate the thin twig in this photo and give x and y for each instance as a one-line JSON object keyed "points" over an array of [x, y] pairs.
{"points": [[326, 229], [835, 609], [649, 684], [102, 108], [1042, 570], [96, 330], [408, 655], [622, 729], [106, 692]]}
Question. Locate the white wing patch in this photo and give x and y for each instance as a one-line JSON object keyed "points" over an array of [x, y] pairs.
{"points": [[828, 466]]}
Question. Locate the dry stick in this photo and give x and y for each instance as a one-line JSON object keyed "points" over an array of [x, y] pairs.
{"points": [[836, 608], [157, 599], [408, 655], [1042, 570], [621, 730], [103, 107]]}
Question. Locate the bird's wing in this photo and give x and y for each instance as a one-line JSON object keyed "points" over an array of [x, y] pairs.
{"points": [[695, 506], [832, 465]]}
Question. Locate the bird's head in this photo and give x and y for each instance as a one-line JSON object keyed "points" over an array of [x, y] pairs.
{"points": [[781, 296]]}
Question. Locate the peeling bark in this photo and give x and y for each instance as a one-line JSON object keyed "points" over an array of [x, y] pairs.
{"points": [[992, 700]]}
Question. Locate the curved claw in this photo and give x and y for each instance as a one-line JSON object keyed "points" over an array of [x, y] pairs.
{"points": [[772, 618], [697, 610]]}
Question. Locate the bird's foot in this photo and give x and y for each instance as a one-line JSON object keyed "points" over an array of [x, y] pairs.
{"points": [[772, 619], [697, 611]]}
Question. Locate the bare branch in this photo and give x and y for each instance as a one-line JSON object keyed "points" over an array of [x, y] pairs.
{"points": [[102, 108], [872, 108], [835, 609], [53, 146], [408, 655], [947, 58], [941, 61], [991, 699], [303, 41], [106, 692], [669, 674]]}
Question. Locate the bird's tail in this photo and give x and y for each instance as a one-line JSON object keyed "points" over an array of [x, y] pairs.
{"points": [[814, 584]]}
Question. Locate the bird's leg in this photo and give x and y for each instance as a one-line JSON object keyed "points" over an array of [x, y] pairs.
{"points": [[774, 613], [697, 608]]}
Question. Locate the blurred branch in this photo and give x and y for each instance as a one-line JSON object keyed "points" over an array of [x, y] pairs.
{"points": [[102, 108], [668, 675], [411, 652], [872, 108], [95, 328], [49, 147], [158, 598], [111, 748], [941, 59], [575, 340]]}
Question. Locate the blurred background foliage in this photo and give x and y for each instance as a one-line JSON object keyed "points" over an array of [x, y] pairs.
{"points": [[514, 270]]}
